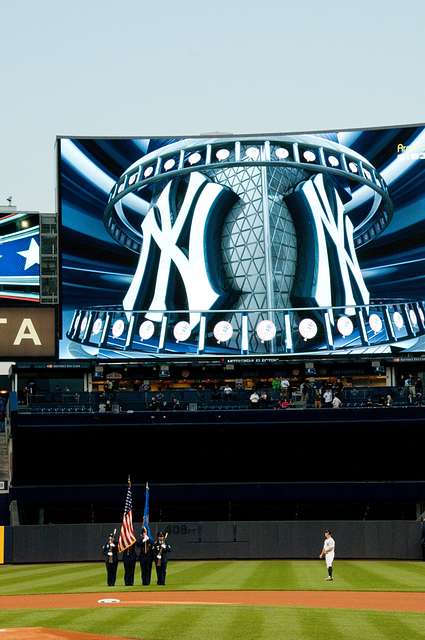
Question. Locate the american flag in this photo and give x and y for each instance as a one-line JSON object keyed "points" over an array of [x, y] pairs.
{"points": [[127, 537]]}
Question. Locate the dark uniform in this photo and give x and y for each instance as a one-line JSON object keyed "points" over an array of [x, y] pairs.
{"points": [[129, 560], [144, 545], [110, 551], [160, 551]]}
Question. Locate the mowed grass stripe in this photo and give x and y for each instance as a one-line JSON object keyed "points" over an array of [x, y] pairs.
{"points": [[54, 581], [242, 621], [220, 575], [272, 573], [182, 622], [380, 576], [397, 626], [14, 572], [209, 576], [226, 623]]}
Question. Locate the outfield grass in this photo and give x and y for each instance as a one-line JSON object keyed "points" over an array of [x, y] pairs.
{"points": [[214, 575], [223, 623], [226, 623]]}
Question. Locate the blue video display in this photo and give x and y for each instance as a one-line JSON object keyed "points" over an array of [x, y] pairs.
{"points": [[305, 243], [19, 257]]}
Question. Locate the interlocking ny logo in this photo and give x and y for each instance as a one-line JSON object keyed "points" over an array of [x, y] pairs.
{"points": [[181, 246], [328, 269]]}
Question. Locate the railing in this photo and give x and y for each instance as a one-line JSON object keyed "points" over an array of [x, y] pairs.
{"points": [[207, 400]]}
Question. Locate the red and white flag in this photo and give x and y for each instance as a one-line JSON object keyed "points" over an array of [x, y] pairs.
{"points": [[127, 537]]}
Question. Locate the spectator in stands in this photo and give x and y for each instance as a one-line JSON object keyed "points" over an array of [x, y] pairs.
{"points": [[283, 402], [216, 395], [388, 400], [327, 398], [336, 402], [254, 399], [227, 392], [317, 397], [276, 384], [418, 391], [264, 400], [284, 384], [175, 404]]}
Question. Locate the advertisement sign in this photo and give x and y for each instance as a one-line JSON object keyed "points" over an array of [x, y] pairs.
{"points": [[27, 332], [19, 257], [251, 245]]}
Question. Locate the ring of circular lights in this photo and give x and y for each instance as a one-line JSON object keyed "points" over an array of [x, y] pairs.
{"points": [[307, 152]]}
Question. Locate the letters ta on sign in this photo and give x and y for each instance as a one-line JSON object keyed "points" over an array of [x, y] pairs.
{"points": [[27, 332]]}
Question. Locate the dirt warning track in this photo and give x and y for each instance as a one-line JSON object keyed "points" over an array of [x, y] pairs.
{"points": [[379, 601]]}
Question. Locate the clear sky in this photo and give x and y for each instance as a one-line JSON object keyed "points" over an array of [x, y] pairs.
{"points": [[105, 67]]}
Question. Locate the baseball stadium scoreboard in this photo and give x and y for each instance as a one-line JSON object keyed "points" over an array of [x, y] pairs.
{"points": [[299, 245], [28, 284]]}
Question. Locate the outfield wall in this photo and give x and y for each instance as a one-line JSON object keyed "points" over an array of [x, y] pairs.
{"points": [[397, 539]]}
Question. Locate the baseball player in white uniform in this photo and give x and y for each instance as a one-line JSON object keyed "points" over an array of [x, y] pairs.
{"points": [[328, 552]]}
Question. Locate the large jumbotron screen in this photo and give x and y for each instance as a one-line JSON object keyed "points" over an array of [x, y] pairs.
{"points": [[304, 244]]}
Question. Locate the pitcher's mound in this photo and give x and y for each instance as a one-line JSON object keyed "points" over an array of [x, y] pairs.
{"points": [[42, 633]]}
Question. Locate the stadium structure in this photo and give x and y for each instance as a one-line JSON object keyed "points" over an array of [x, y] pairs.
{"points": [[238, 320]]}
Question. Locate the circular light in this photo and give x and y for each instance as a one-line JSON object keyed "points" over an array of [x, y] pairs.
{"points": [[222, 154], [307, 328], [148, 172], [97, 326], [181, 331], [421, 315], [413, 318], [132, 179], [169, 164], [281, 153], [333, 161], [353, 167], [375, 322], [146, 330], [223, 331], [84, 324], [345, 326], [118, 328], [194, 158], [398, 320], [121, 187], [309, 156], [266, 330], [253, 153]]}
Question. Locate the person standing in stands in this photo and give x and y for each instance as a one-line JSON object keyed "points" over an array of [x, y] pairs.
{"points": [[327, 398], [129, 561], [145, 556], [110, 551], [160, 553]]}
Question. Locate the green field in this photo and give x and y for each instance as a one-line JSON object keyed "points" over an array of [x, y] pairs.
{"points": [[212, 575], [224, 623]]}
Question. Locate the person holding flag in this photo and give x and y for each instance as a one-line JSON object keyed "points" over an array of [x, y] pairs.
{"points": [[110, 551], [127, 539], [145, 544], [160, 552]]}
